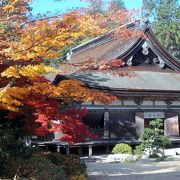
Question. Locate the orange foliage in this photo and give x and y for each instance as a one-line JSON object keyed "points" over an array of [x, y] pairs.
{"points": [[24, 46]]}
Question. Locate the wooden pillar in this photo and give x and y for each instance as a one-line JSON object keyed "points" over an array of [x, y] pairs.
{"points": [[106, 123], [58, 149], [107, 149], [139, 121], [46, 148], [79, 151], [179, 122], [90, 150], [67, 150]]}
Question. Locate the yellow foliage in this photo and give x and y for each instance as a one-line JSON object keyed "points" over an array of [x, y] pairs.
{"points": [[36, 70], [10, 98], [44, 38], [12, 71], [28, 71], [74, 90], [25, 45]]}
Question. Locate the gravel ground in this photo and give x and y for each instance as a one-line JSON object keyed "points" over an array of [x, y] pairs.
{"points": [[141, 170]]}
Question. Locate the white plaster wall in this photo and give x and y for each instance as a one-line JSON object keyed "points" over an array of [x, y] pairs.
{"points": [[129, 103], [117, 103], [147, 103], [176, 103], [57, 135], [160, 103], [87, 103]]}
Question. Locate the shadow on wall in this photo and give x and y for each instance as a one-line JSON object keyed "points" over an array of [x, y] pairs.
{"points": [[122, 124]]}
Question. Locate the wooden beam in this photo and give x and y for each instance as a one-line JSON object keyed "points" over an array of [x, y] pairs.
{"points": [[106, 123]]}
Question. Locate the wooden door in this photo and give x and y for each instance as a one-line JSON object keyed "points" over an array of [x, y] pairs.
{"points": [[171, 124]]}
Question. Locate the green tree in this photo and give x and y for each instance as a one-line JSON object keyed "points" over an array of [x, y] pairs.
{"points": [[149, 7], [95, 7], [165, 15], [11, 141], [167, 26], [153, 138], [119, 4]]}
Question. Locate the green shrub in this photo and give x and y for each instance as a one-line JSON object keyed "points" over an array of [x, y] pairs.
{"points": [[36, 167], [130, 159], [139, 151], [122, 149], [158, 159], [79, 177], [71, 164], [9, 170], [40, 166], [154, 140], [45, 169]]}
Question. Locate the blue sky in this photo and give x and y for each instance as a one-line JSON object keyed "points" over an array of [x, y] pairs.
{"points": [[53, 6]]}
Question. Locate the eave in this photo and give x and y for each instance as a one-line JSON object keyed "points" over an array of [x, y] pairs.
{"points": [[155, 45]]}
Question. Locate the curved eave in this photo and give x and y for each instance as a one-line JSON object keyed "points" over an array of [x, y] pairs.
{"points": [[131, 90], [124, 92], [59, 78], [138, 92], [161, 50], [132, 49]]}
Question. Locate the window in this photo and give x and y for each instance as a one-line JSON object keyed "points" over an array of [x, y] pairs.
{"points": [[94, 119]]}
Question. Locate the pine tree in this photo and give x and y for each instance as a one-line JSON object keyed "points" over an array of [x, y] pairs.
{"points": [[167, 26], [165, 15], [153, 139]]}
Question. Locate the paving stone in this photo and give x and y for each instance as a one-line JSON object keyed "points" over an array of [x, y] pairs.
{"points": [[141, 170]]}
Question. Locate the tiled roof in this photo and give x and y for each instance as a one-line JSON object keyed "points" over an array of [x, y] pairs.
{"points": [[147, 77], [143, 80]]}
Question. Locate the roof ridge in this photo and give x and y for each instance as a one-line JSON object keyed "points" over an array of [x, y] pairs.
{"points": [[98, 38]]}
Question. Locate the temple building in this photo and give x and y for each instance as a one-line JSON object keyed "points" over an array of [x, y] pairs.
{"points": [[153, 92]]}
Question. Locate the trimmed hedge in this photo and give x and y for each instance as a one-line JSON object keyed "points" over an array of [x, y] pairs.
{"points": [[122, 149]]}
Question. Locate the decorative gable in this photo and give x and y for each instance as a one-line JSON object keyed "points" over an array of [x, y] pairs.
{"points": [[145, 55], [157, 72], [150, 51]]}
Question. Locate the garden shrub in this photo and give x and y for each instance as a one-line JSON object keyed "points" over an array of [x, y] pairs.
{"points": [[139, 151], [71, 164], [9, 170], [43, 165], [158, 159], [130, 159], [154, 140], [45, 169], [122, 149], [10, 146], [79, 177], [36, 167]]}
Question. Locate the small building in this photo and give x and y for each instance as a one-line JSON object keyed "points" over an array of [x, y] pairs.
{"points": [[153, 92]]}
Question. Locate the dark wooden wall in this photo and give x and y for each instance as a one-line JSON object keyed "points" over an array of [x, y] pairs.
{"points": [[122, 124]]}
